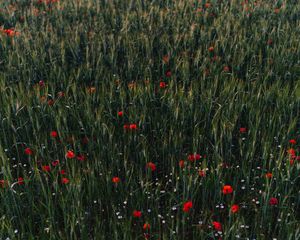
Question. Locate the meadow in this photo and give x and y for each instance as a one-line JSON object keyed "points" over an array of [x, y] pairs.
{"points": [[150, 119]]}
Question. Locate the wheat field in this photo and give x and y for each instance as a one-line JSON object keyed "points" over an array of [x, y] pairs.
{"points": [[150, 119]]}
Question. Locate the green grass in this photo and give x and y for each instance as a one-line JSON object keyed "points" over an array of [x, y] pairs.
{"points": [[71, 69]]}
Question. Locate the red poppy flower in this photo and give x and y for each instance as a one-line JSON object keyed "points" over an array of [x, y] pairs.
{"points": [[226, 69], [28, 151], [62, 172], [214, 58], [243, 130], [181, 163], [70, 154], [168, 73], [276, 10], [50, 102], [11, 32], [137, 214], [120, 113], [116, 179], [199, 10], [91, 90], [55, 163], [41, 83], [151, 165], [293, 141], [46, 168], [146, 226], [166, 58], [202, 173], [292, 152], [20, 180], [217, 226], [133, 126], [60, 94], [53, 134], [211, 49], [65, 180], [162, 84], [187, 206], [147, 236], [273, 201], [234, 208], [193, 157], [227, 189], [207, 5], [269, 175], [3, 183], [81, 157]]}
